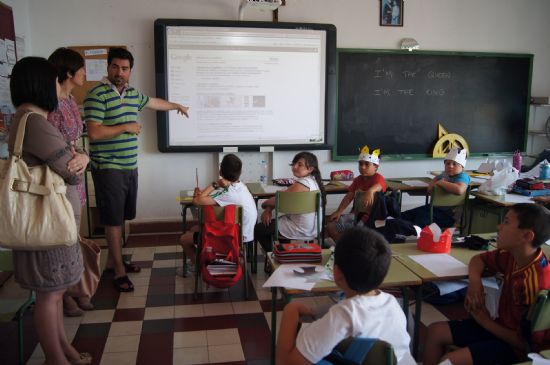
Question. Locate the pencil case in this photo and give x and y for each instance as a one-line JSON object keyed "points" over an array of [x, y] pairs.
{"points": [[341, 175]]}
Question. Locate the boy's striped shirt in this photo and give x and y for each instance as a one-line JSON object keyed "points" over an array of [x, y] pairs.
{"points": [[103, 104]]}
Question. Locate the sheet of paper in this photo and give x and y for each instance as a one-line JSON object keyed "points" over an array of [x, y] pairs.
{"points": [[95, 69], [516, 198], [538, 359], [284, 277], [446, 287], [273, 188], [441, 264], [418, 183]]}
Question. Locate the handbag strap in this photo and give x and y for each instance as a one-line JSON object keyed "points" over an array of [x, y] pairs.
{"points": [[20, 135], [26, 186]]}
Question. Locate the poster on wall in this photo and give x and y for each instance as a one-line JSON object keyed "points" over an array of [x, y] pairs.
{"points": [[8, 57]]}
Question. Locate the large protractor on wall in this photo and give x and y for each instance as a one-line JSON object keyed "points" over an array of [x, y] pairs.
{"points": [[447, 141]]}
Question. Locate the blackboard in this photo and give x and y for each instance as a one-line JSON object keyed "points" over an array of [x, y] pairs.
{"points": [[395, 100]]}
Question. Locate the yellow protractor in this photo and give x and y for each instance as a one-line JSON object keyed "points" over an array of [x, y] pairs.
{"points": [[448, 141]]}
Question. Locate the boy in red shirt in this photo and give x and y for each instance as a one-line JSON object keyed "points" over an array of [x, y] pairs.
{"points": [[369, 181], [525, 271]]}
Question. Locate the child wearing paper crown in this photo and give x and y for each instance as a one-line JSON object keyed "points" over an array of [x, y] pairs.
{"points": [[453, 180], [369, 181]]}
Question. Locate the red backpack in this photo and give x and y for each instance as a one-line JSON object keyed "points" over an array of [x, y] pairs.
{"points": [[220, 261]]}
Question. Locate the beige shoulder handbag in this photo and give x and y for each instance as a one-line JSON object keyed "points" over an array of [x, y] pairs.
{"points": [[35, 213]]}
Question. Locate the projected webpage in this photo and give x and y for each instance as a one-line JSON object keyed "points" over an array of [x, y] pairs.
{"points": [[246, 86]]}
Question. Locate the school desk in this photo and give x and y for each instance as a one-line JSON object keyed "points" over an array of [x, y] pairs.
{"points": [[402, 253], [486, 211], [506, 200], [398, 276]]}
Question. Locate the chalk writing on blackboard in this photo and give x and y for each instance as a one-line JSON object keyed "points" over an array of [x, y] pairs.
{"points": [[395, 100]]}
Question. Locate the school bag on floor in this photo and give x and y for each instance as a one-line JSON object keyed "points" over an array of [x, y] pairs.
{"points": [[220, 261]]}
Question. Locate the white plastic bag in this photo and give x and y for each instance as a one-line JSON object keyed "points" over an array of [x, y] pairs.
{"points": [[500, 181]]}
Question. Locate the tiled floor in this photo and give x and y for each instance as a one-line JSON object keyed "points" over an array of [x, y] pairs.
{"points": [[160, 323]]}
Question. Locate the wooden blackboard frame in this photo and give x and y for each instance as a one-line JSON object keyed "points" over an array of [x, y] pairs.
{"points": [[336, 155]]}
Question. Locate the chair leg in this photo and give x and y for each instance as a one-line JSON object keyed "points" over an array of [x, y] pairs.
{"points": [[245, 268], [197, 273], [20, 313], [254, 263]]}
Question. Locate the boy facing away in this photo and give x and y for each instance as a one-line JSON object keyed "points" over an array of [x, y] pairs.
{"points": [[525, 269], [361, 262], [369, 181], [226, 191], [453, 180]]}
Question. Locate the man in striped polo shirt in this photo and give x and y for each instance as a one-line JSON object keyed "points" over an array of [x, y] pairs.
{"points": [[111, 111]]}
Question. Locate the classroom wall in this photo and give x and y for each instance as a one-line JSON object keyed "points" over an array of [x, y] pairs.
{"points": [[465, 25]]}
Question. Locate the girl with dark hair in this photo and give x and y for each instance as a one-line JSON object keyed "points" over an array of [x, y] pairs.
{"points": [[66, 118], [34, 89], [305, 169]]}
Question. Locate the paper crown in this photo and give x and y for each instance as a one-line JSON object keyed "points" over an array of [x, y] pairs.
{"points": [[457, 155], [372, 157]]}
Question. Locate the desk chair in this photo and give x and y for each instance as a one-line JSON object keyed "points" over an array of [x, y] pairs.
{"points": [[219, 212], [15, 308], [361, 351], [298, 203], [538, 317], [443, 199], [302, 202]]}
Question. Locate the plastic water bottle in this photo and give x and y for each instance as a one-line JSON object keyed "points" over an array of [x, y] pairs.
{"points": [[544, 170], [516, 160], [263, 174]]}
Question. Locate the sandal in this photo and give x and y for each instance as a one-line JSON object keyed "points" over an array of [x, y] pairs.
{"points": [[70, 307], [84, 359], [85, 303], [123, 284], [130, 267]]}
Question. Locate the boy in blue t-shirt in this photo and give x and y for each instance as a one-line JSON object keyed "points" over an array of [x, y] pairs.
{"points": [[453, 180]]}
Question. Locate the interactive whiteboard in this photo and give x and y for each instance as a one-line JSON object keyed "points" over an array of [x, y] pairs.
{"points": [[248, 84]]}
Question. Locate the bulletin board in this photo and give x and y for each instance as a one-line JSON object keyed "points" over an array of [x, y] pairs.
{"points": [[95, 61], [8, 57]]}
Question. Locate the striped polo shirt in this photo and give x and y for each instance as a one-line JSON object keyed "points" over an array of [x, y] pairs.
{"points": [[105, 105]]}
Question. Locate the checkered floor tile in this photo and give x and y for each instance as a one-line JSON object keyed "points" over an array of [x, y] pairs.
{"points": [[161, 323]]}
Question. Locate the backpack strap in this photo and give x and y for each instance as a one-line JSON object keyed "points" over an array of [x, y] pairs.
{"points": [[229, 213], [208, 213]]}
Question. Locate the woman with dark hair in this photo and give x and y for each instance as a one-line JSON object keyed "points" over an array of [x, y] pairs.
{"points": [[34, 89], [305, 169], [66, 118]]}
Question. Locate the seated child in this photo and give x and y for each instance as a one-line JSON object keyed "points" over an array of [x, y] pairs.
{"points": [[293, 226], [369, 181], [453, 180], [525, 268], [226, 191], [361, 261]]}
